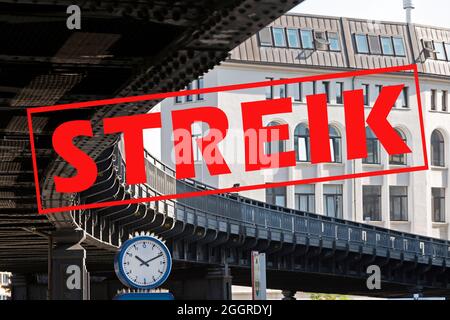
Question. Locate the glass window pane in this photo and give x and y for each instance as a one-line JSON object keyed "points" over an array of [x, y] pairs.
{"points": [[307, 39], [339, 92], [293, 40], [265, 38], [361, 43], [447, 50], [399, 46], [440, 51], [374, 42], [333, 39], [279, 37], [386, 45], [200, 85]]}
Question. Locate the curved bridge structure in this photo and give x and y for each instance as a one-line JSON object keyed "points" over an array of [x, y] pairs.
{"points": [[120, 52], [305, 251]]}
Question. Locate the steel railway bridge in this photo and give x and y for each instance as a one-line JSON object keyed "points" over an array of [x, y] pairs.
{"points": [[135, 47]]}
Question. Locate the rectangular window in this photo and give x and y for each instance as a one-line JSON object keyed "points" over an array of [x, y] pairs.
{"points": [[333, 39], [297, 90], [321, 40], [374, 44], [293, 39], [189, 97], [276, 196], [386, 45], [366, 91], [438, 204], [326, 89], [379, 88], [283, 90], [200, 85], [398, 203], [433, 99], [178, 99], [269, 89], [333, 202], [361, 43], [372, 203], [339, 92], [447, 50], [307, 39], [399, 47], [305, 198], [373, 151], [279, 37], [197, 132], [444, 100], [440, 51], [405, 97], [265, 37]]}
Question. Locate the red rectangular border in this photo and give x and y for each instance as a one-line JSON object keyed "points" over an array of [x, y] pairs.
{"points": [[96, 103]]}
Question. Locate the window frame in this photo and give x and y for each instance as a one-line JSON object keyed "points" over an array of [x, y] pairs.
{"points": [[433, 99], [378, 202], [403, 198], [200, 85], [373, 143], [307, 141], [269, 146], [360, 35], [310, 200], [444, 100], [311, 33], [269, 88], [336, 141], [335, 38], [295, 31], [380, 49], [389, 38], [340, 87], [271, 38], [338, 200], [399, 159], [440, 217], [403, 46], [326, 89], [442, 45], [440, 162], [283, 33], [366, 92], [272, 193]]}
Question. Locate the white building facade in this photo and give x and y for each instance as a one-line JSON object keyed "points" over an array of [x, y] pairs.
{"points": [[5, 283], [303, 45]]}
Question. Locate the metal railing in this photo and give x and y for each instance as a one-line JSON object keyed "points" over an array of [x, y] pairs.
{"points": [[219, 210]]}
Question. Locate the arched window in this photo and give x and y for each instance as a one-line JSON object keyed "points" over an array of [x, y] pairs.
{"points": [[301, 143], [275, 146], [437, 149], [373, 148], [335, 145], [398, 159]]}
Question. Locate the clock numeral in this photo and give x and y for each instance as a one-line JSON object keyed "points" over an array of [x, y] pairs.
{"points": [[144, 245]]}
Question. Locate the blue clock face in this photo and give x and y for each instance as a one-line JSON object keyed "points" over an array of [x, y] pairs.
{"points": [[143, 262]]}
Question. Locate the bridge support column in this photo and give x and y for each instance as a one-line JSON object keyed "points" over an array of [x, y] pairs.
{"points": [[219, 283], [288, 295], [69, 276], [19, 287], [205, 284]]}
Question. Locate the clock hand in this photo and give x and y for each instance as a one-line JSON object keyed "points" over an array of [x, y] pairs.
{"points": [[142, 261], [146, 262]]}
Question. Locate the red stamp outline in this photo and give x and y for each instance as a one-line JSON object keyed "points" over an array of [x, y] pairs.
{"points": [[96, 103]]}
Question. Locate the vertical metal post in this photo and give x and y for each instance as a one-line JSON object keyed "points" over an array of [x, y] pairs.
{"points": [[49, 267]]}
